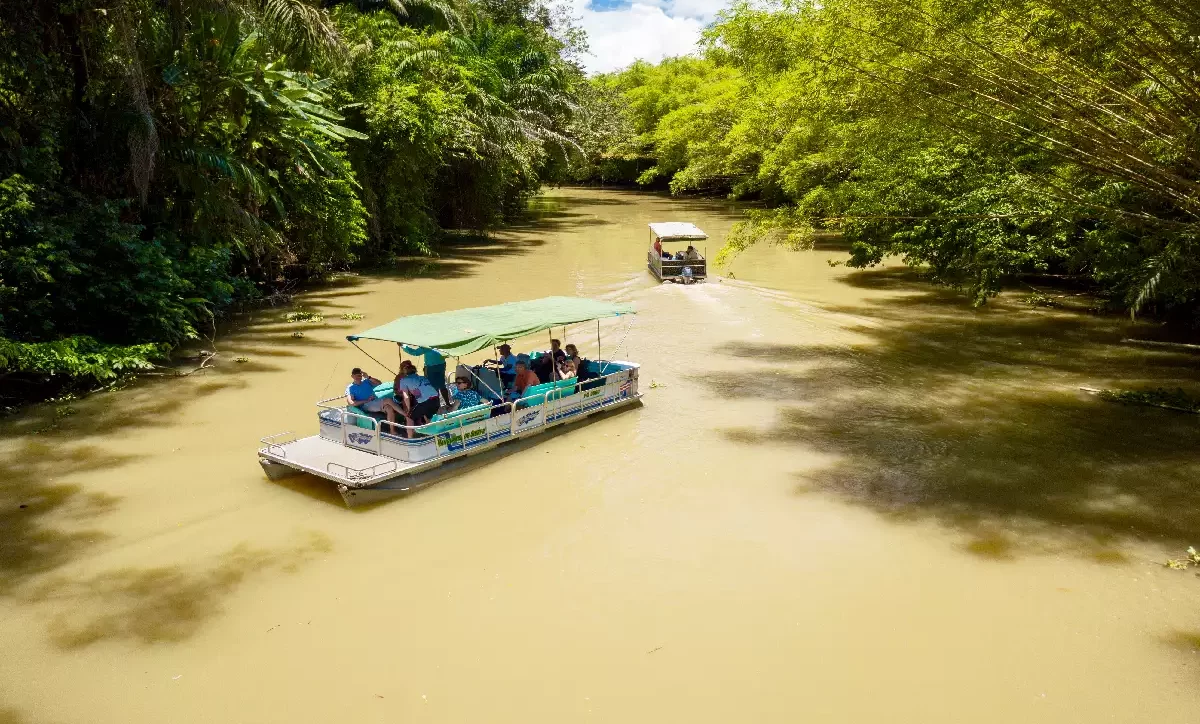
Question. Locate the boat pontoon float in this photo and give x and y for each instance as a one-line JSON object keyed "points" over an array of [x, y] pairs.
{"points": [[370, 460], [673, 268]]}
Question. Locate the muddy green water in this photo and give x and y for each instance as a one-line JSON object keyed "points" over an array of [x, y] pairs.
{"points": [[848, 497]]}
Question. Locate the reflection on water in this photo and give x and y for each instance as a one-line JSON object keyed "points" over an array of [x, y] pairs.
{"points": [[840, 482]]}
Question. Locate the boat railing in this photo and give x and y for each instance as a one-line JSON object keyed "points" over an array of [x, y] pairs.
{"points": [[337, 404], [674, 268], [350, 473], [276, 442]]}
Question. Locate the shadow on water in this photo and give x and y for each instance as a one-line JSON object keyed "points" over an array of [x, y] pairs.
{"points": [[161, 604], [43, 524], [973, 418]]}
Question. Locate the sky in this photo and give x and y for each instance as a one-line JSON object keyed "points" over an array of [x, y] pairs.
{"points": [[622, 31]]}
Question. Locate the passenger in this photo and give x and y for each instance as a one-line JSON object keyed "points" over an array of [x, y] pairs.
{"points": [[419, 401], [463, 395], [583, 370], [435, 366], [361, 392], [556, 351], [525, 378], [508, 365], [692, 255], [567, 369], [572, 352], [658, 246], [546, 366]]}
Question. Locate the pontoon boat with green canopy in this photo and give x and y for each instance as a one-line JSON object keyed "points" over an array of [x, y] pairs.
{"points": [[370, 459]]}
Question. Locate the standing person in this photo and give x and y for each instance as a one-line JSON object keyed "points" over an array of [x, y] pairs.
{"points": [[435, 366]]}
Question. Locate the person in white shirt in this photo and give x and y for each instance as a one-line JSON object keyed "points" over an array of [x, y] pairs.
{"points": [[419, 400]]}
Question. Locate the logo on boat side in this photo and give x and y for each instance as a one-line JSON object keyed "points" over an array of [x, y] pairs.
{"points": [[527, 418], [359, 438]]}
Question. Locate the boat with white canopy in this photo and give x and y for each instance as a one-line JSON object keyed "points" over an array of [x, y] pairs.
{"points": [[370, 459], [684, 264]]}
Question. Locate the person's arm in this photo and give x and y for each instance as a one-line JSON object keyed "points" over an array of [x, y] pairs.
{"points": [[374, 381]]}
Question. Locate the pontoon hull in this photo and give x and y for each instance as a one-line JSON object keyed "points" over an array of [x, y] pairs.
{"points": [[369, 465]]}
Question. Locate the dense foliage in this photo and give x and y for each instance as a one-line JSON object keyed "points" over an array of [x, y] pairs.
{"points": [[981, 140], [160, 161]]}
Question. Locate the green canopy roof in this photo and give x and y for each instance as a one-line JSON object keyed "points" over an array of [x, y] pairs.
{"points": [[469, 330]]}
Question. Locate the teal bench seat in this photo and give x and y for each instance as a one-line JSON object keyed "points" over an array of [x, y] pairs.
{"points": [[454, 420]]}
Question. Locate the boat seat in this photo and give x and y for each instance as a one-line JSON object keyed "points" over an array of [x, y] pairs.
{"points": [[456, 419]]}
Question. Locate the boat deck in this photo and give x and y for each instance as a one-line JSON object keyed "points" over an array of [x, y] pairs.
{"points": [[337, 462]]}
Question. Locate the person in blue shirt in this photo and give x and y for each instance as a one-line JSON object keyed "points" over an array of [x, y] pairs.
{"points": [[435, 365], [361, 391], [463, 395], [508, 365]]}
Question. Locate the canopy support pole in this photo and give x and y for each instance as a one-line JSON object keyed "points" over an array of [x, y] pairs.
{"points": [[599, 358], [360, 349]]}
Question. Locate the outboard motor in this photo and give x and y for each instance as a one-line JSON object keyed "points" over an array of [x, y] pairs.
{"points": [[688, 276]]}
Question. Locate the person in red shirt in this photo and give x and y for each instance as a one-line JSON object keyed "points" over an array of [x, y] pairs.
{"points": [[525, 378]]}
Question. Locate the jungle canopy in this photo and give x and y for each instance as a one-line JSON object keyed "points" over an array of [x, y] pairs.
{"points": [[469, 330]]}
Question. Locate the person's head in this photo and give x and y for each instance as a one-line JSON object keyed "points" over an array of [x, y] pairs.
{"points": [[522, 363], [505, 350], [691, 248], [407, 368], [356, 374], [554, 344], [572, 351], [462, 383]]}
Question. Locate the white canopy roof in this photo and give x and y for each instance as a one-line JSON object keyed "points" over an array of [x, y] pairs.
{"points": [[676, 230]]}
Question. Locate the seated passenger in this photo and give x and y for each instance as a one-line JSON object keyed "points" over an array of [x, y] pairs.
{"points": [[507, 364], [435, 365], [361, 392], [567, 369], [463, 395], [546, 366], [419, 401], [692, 255], [524, 380], [572, 352]]}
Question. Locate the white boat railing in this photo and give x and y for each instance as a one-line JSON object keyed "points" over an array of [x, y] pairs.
{"points": [[350, 473], [275, 445], [549, 396]]}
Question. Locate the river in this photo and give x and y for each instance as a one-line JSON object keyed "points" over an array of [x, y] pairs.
{"points": [[848, 497]]}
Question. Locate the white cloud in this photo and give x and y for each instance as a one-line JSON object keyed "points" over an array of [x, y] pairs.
{"points": [[646, 29]]}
